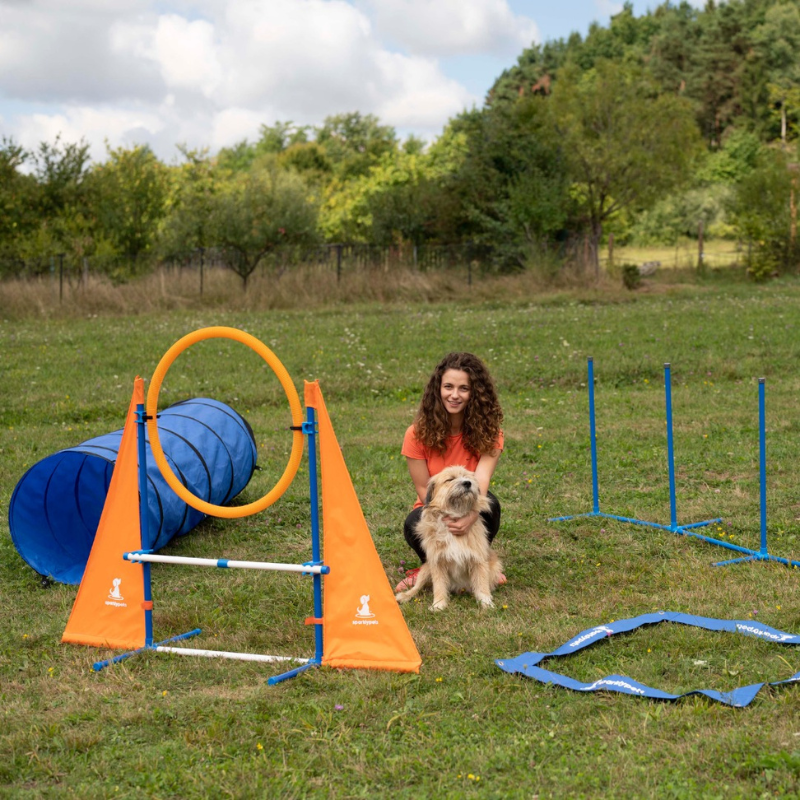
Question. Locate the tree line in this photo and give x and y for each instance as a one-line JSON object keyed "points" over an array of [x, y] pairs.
{"points": [[645, 130]]}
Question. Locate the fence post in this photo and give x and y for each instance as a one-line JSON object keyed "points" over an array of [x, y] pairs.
{"points": [[60, 278], [202, 254], [701, 265], [610, 251], [338, 263]]}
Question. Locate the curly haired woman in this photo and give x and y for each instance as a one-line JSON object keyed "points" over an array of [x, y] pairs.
{"points": [[457, 423]]}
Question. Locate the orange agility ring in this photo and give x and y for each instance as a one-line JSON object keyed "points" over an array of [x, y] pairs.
{"points": [[294, 405]]}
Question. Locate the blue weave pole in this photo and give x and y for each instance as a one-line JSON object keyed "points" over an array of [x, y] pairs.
{"points": [[674, 527], [763, 553], [527, 663]]}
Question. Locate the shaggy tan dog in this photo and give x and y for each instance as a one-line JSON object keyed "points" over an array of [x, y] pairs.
{"points": [[454, 563]]}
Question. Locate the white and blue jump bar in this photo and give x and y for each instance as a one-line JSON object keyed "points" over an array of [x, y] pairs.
{"points": [[315, 568], [685, 530]]}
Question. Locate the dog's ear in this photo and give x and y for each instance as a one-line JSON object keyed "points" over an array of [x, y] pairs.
{"points": [[431, 490]]}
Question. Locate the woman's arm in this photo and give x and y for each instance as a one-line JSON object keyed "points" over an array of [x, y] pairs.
{"points": [[485, 469], [418, 469]]}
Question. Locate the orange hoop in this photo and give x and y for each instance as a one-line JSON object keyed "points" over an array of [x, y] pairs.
{"points": [[227, 512]]}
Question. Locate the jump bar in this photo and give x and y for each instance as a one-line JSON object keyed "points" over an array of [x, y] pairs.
{"points": [[186, 651], [224, 563]]}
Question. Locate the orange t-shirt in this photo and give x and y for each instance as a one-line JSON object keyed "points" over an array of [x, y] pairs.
{"points": [[455, 454]]}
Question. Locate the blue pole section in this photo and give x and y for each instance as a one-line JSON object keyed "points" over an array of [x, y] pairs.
{"points": [[309, 428], [593, 440], [762, 463], [316, 554], [673, 514], [98, 665], [144, 523]]}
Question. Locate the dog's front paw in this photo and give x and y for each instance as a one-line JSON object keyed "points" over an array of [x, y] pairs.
{"points": [[439, 605], [403, 597], [486, 602]]}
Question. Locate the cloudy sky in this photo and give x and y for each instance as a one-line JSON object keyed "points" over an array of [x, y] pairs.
{"points": [[208, 73]]}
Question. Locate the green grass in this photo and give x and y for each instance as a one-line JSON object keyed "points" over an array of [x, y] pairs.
{"points": [[158, 726]]}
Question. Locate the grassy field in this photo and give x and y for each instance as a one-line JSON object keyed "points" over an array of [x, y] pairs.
{"points": [[166, 727]]}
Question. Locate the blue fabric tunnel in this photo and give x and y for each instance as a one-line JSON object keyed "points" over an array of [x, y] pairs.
{"points": [[55, 508]]}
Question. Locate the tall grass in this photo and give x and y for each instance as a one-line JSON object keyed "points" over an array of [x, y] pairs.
{"points": [[303, 287], [157, 726]]}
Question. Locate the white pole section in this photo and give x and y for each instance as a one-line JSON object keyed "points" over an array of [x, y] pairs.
{"points": [[225, 563], [186, 651]]}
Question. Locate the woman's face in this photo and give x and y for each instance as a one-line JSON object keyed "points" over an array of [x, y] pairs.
{"points": [[455, 391]]}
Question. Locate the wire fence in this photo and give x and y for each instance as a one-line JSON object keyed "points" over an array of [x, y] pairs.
{"points": [[475, 260], [469, 261]]}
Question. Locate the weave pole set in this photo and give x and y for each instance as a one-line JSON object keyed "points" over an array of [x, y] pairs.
{"points": [[762, 554]]}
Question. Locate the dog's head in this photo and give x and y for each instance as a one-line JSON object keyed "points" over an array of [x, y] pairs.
{"points": [[455, 492]]}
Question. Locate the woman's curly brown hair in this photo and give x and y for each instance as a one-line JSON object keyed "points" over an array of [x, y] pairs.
{"points": [[482, 417]]}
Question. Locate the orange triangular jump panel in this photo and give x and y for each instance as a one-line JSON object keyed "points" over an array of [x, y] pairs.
{"points": [[108, 609], [363, 625]]}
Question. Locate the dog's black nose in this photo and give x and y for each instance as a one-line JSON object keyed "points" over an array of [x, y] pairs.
{"points": [[467, 484]]}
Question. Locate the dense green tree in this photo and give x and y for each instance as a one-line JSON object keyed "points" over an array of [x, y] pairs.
{"points": [[129, 194], [512, 185], [258, 211], [192, 186], [355, 142], [763, 209], [778, 40], [61, 170], [624, 145], [18, 197]]}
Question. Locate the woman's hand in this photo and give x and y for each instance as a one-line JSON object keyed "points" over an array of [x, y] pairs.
{"points": [[459, 526]]}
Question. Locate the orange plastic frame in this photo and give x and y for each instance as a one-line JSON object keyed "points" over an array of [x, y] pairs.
{"points": [[227, 512]]}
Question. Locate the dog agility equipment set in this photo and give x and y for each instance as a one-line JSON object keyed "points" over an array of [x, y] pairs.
{"points": [[55, 507], [761, 554], [527, 663], [357, 623]]}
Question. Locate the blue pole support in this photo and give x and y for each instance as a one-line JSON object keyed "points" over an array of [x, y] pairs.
{"points": [[316, 549], [98, 665], [673, 514], [593, 439], [310, 429], [763, 553], [762, 462], [144, 522]]}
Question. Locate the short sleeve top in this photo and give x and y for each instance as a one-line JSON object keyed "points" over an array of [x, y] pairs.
{"points": [[455, 454]]}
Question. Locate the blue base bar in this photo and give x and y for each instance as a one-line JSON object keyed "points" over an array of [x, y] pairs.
{"points": [[292, 672], [755, 556], [98, 665], [685, 530], [632, 521]]}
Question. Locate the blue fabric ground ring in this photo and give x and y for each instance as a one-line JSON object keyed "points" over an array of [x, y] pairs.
{"points": [[527, 663]]}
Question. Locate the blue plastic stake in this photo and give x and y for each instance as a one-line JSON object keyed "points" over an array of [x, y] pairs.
{"points": [[762, 462], [144, 522], [673, 514], [593, 441]]}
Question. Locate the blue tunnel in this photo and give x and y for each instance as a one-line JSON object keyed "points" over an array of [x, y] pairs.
{"points": [[56, 505]]}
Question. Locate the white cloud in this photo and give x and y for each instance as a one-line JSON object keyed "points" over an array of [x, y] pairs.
{"points": [[95, 125], [608, 8], [453, 27], [209, 73]]}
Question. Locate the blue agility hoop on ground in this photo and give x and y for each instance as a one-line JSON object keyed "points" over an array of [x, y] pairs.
{"points": [[526, 664]]}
